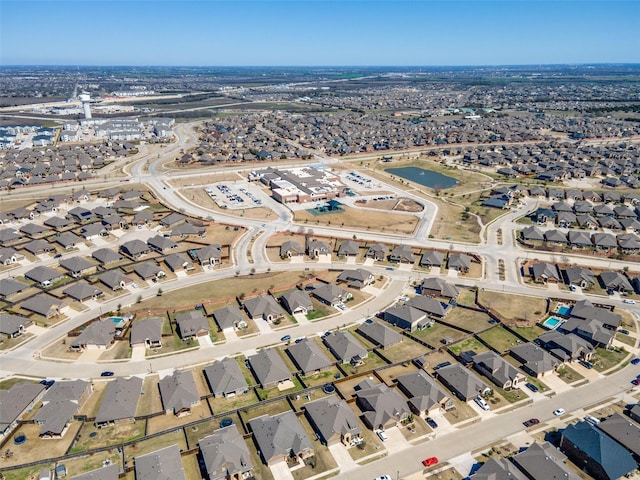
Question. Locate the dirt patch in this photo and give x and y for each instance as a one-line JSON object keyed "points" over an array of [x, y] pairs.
{"points": [[361, 220]]}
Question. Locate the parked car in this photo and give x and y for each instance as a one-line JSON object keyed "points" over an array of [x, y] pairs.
{"points": [[559, 411], [428, 462], [624, 331], [383, 477], [106, 374], [47, 383], [431, 422], [636, 381], [635, 361], [531, 422], [286, 338], [592, 420], [381, 435], [57, 255], [482, 403], [531, 387], [586, 364]]}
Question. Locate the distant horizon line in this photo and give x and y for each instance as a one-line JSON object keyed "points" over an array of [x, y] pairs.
{"points": [[497, 65]]}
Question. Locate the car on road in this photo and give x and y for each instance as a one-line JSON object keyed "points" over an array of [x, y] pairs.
{"points": [[531, 422], [635, 361], [106, 374], [383, 477], [624, 331], [531, 387], [381, 435], [431, 422], [286, 338], [629, 301], [559, 411], [389, 268], [57, 255], [428, 462], [298, 340]]}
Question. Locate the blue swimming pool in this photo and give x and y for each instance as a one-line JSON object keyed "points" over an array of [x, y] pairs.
{"points": [[563, 310], [552, 323]]}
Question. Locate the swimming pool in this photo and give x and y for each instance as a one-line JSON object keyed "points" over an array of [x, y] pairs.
{"points": [[563, 310], [552, 323]]}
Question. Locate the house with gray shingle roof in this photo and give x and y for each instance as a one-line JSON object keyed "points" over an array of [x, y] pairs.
{"points": [[497, 468], [68, 240], [110, 472], [290, 249], [431, 306], [402, 254], [15, 401], [147, 332], [178, 262], [225, 378], [382, 407], [460, 262], [173, 220], [379, 334], [566, 347], [623, 431], [135, 248], [163, 464], [579, 277], [334, 421], [44, 305], [179, 393], [535, 361], [348, 248], [43, 275], [498, 370], [544, 462], [148, 270], [38, 247], [331, 294], [77, 266], [280, 436], [424, 393], [192, 324], [8, 235], [615, 281], [225, 454], [10, 256], [119, 401], [462, 381], [209, 255], [377, 251], [297, 301], [358, 278], [269, 368], [432, 259], [438, 287], [13, 325], [345, 347], [161, 244], [82, 291], [543, 272], [106, 256], [57, 223], [308, 357], [9, 286], [315, 248], [229, 317], [263, 306], [98, 334], [34, 230], [599, 455], [114, 279]]}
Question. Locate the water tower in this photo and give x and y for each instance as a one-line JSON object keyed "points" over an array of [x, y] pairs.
{"points": [[85, 98]]}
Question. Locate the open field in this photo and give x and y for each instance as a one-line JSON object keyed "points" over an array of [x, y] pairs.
{"points": [[518, 308], [500, 339], [470, 343], [470, 320], [405, 350], [206, 179], [92, 437], [351, 218], [439, 335]]}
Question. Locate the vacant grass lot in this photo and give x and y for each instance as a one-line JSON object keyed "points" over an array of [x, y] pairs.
{"points": [[353, 218], [435, 335], [372, 362], [530, 333], [405, 350], [272, 408], [111, 435], [468, 319], [518, 308], [500, 339], [468, 344], [326, 376], [467, 297], [147, 446]]}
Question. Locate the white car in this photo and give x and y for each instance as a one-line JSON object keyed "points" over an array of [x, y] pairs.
{"points": [[381, 435], [383, 477], [629, 301], [559, 411]]}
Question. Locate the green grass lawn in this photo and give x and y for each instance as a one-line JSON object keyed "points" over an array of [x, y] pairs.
{"points": [[500, 339], [605, 359], [468, 344], [568, 374]]}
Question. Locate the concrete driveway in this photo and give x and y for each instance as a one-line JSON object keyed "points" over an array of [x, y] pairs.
{"points": [[554, 383], [280, 471], [395, 441], [341, 456]]}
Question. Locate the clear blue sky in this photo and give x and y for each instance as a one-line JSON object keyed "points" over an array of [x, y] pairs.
{"points": [[318, 32]]}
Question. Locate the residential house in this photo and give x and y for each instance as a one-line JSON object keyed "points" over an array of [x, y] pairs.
{"points": [[308, 357], [68, 240], [402, 254], [135, 249], [279, 437], [542, 272], [345, 347], [430, 305], [424, 393], [77, 266], [225, 455], [44, 305], [161, 244], [407, 317], [15, 401], [623, 431], [82, 291], [598, 454], [465, 384], [45, 276], [534, 360], [229, 318], [604, 241], [579, 239], [9, 286], [542, 461], [382, 407], [165, 463], [291, 248], [358, 278], [225, 378], [59, 405], [269, 368], [579, 277], [13, 325], [379, 334], [99, 334], [315, 248], [296, 301], [498, 468], [119, 402], [106, 256], [566, 347], [173, 220], [109, 472], [148, 270], [178, 262], [348, 248], [334, 421], [432, 259], [210, 255], [331, 294], [438, 287], [498, 370], [615, 282], [192, 324], [115, 279], [555, 237], [179, 393], [377, 251], [263, 306], [460, 262], [38, 247], [146, 332], [585, 310], [9, 256]]}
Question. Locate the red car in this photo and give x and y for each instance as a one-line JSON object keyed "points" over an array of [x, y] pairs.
{"points": [[428, 462], [531, 422]]}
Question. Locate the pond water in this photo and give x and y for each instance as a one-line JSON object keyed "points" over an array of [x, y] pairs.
{"points": [[428, 178]]}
